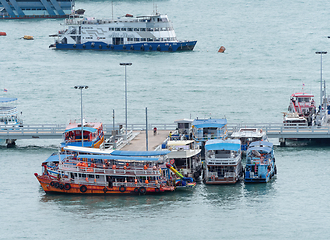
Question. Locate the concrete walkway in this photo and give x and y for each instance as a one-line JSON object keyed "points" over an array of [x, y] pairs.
{"points": [[139, 142]]}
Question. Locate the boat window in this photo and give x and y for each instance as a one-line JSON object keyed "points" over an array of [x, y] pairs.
{"points": [[97, 176], [83, 175], [163, 29], [136, 29], [111, 29], [137, 39], [123, 29], [143, 39], [90, 175], [150, 40], [156, 29], [130, 29], [117, 29], [142, 29], [150, 29]]}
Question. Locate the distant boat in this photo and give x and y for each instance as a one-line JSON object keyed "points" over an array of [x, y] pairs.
{"points": [[260, 162], [93, 135], [127, 33], [24, 9], [9, 118]]}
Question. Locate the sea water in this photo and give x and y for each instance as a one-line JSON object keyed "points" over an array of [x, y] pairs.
{"points": [[270, 53]]}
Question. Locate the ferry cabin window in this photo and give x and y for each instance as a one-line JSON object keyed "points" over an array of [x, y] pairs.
{"points": [[130, 29], [123, 29], [150, 40], [136, 39], [150, 29], [143, 39], [117, 29], [90, 176], [136, 29], [142, 29], [111, 29], [156, 29]]}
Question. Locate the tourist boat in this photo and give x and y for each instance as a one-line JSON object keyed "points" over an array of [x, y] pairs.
{"points": [[303, 105], [206, 129], [260, 162], [93, 135], [128, 33], [121, 172], [293, 120], [9, 118], [248, 135], [222, 161], [24, 9], [185, 156]]}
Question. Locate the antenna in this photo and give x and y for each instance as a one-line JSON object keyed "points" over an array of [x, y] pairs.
{"points": [[112, 8]]}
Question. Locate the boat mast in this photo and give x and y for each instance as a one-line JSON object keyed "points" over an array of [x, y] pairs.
{"points": [[322, 92]]}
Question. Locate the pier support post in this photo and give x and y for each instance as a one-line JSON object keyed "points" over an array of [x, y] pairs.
{"points": [[282, 142], [10, 143]]}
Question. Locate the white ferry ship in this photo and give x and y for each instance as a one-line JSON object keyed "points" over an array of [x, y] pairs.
{"points": [[128, 33]]}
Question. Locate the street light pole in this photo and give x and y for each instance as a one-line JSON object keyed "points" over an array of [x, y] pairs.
{"points": [[81, 104], [125, 64], [321, 91]]}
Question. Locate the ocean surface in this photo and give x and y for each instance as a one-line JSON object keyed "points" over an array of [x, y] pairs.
{"points": [[270, 53]]}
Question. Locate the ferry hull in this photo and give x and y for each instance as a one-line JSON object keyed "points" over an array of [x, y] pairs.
{"points": [[54, 186], [139, 47], [216, 181]]}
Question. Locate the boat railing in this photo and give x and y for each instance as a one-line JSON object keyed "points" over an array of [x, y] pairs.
{"points": [[90, 170]]}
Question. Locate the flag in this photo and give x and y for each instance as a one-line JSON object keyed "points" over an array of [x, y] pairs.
{"points": [[5, 90]]}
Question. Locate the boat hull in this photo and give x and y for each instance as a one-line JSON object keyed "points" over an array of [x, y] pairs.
{"points": [[50, 185], [139, 47]]}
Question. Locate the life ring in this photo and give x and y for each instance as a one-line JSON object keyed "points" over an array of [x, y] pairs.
{"points": [[56, 184], [150, 47], [170, 48], [105, 190], [61, 186], [142, 48], [157, 190], [142, 190], [52, 183], [98, 38], [108, 46], [100, 46], [74, 45], [122, 188], [136, 190], [84, 46], [92, 44], [83, 188], [213, 177], [67, 186], [158, 48], [132, 47]]}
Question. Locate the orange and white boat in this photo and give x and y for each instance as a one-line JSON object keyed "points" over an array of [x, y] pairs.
{"points": [[121, 172], [92, 131]]}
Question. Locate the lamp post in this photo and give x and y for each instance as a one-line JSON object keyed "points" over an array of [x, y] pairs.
{"points": [[125, 64], [81, 87], [321, 91]]}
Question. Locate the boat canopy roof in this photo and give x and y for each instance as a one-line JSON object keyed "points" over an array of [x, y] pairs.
{"points": [[208, 123], [261, 143], [179, 142], [126, 158], [259, 149], [217, 144], [88, 150], [5, 100], [140, 153], [248, 132], [302, 94], [184, 120], [55, 158], [87, 129]]}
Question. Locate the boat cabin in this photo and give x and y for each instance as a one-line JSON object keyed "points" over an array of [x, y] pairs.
{"points": [[248, 135], [206, 129], [302, 103]]}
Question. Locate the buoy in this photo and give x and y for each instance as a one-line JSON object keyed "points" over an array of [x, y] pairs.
{"points": [[222, 49], [3, 34], [27, 37]]}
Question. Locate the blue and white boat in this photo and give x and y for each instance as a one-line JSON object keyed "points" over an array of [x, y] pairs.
{"points": [[207, 129], [23, 9], [260, 162], [222, 161], [128, 33], [9, 118]]}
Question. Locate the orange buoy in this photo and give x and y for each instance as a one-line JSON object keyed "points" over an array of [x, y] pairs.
{"points": [[146, 181], [3, 34], [135, 181], [222, 49], [113, 166]]}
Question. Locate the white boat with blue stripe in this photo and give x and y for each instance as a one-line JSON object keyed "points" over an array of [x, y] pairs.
{"points": [[143, 33]]}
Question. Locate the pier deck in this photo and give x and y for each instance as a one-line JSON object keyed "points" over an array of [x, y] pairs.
{"points": [[139, 142]]}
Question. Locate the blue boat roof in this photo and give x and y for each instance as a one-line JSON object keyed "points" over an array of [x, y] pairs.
{"points": [[140, 153], [79, 129], [55, 158], [258, 143], [217, 144], [4, 100], [206, 123], [263, 149], [110, 157]]}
